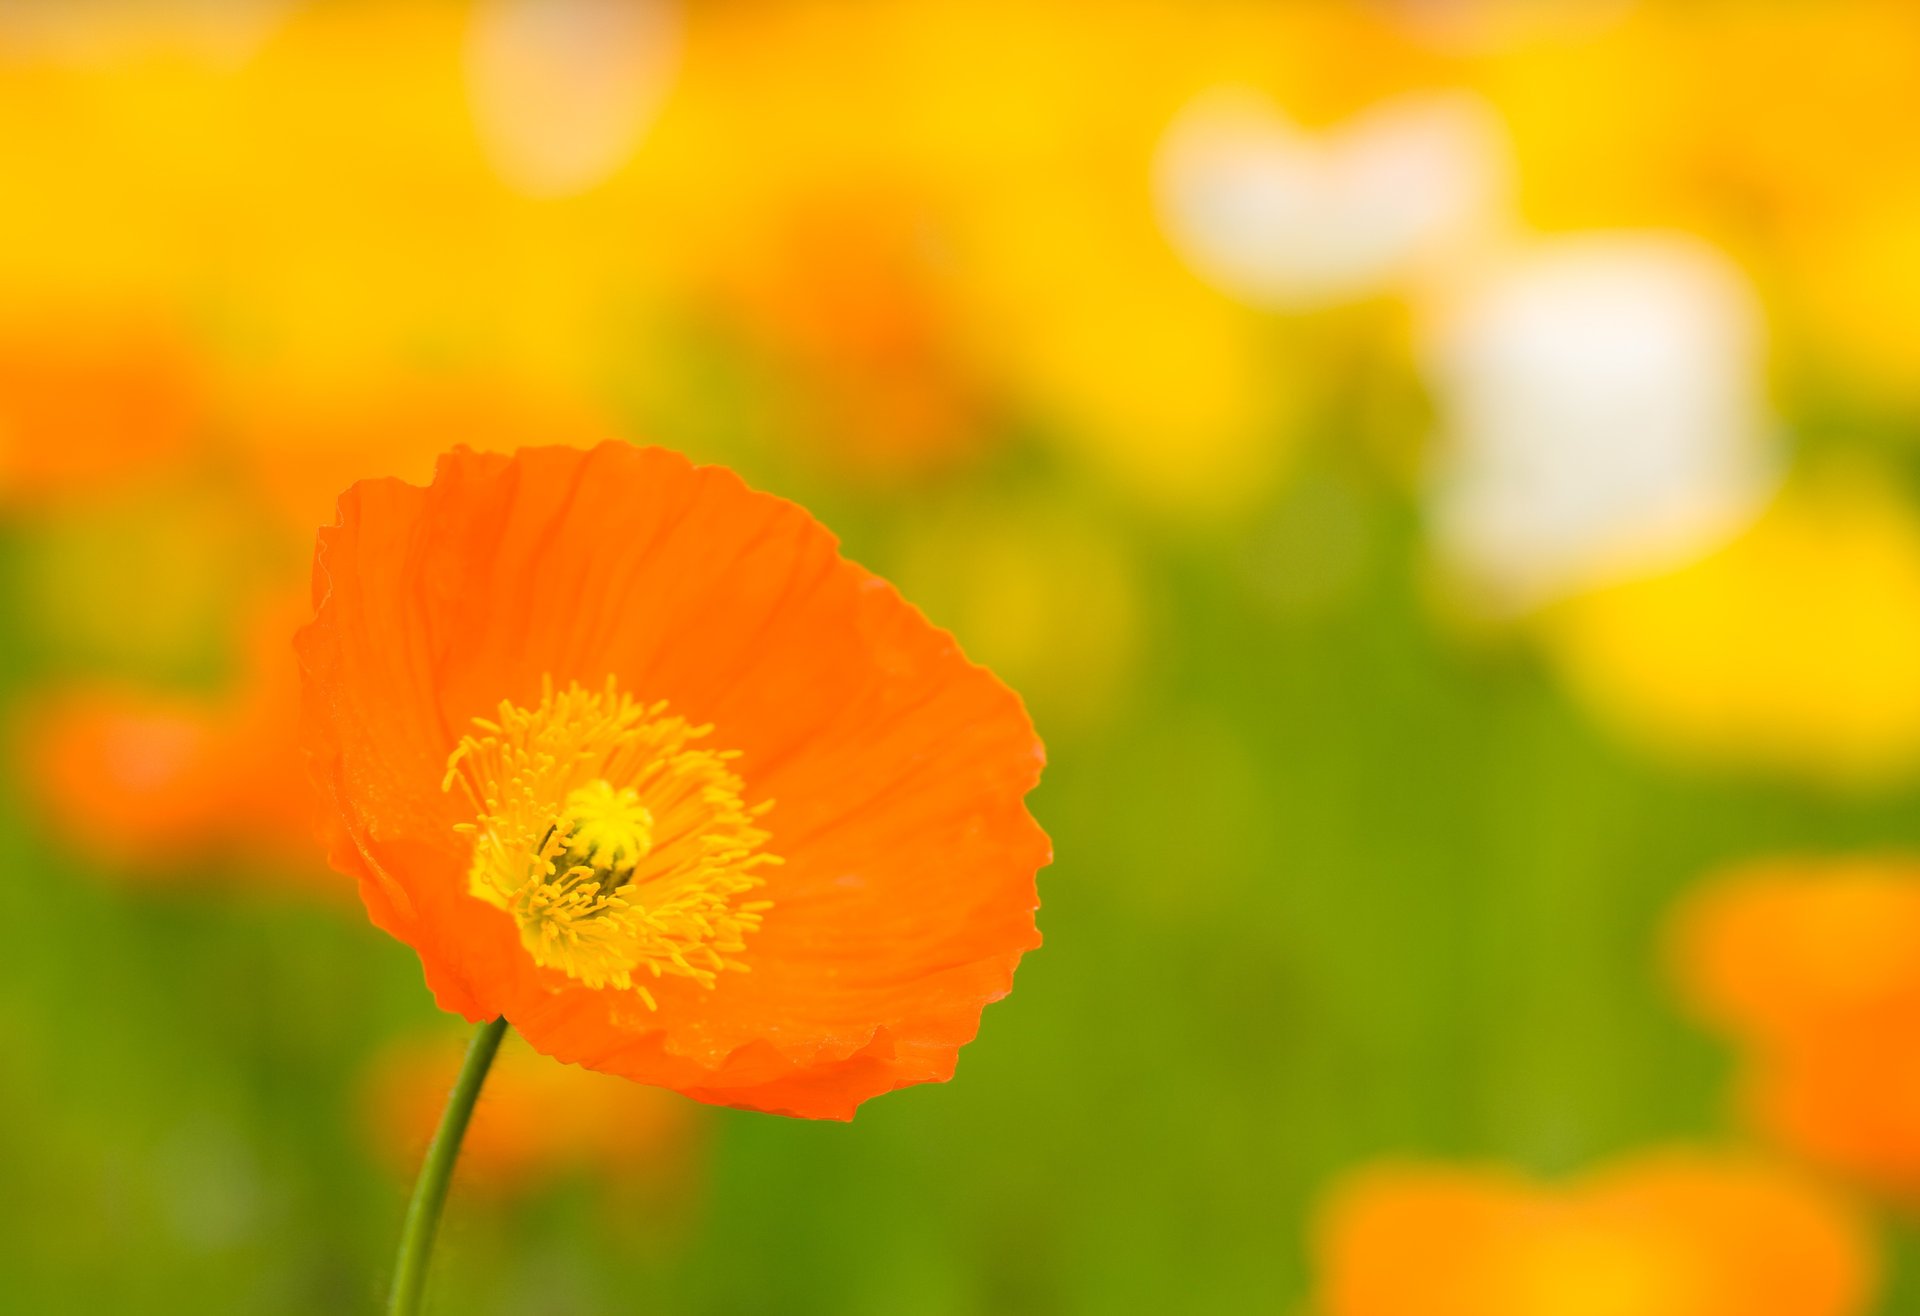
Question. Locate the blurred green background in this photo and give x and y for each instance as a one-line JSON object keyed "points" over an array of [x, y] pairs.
{"points": [[1408, 635]]}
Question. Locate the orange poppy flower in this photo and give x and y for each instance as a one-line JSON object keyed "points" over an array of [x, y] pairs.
{"points": [[633, 758], [1813, 970], [514, 1143], [1676, 1233]]}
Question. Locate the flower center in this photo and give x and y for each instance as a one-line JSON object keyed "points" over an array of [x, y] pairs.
{"points": [[620, 848]]}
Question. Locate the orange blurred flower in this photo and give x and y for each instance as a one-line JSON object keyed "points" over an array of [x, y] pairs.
{"points": [[163, 784], [84, 402], [637, 1137], [850, 296], [156, 784], [632, 757], [1671, 1233], [129, 777], [1813, 969]]}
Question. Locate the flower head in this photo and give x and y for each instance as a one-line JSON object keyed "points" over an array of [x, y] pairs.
{"points": [[631, 756]]}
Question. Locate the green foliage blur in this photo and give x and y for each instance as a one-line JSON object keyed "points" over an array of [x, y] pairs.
{"points": [[1329, 889]]}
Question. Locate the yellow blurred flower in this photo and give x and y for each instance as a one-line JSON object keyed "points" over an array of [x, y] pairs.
{"points": [[1778, 131], [1163, 386], [1792, 647], [371, 230], [1800, 141], [1855, 278], [1602, 117], [928, 221], [1159, 385], [949, 223], [324, 209]]}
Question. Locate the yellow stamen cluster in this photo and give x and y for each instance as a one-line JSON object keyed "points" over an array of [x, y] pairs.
{"points": [[620, 849]]}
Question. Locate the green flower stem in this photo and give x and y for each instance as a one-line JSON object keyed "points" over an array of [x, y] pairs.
{"points": [[430, 1191]]}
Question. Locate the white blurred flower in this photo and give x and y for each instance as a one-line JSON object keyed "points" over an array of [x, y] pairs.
{"points": [[1602, 406], [1281, 217], [563, 90]]}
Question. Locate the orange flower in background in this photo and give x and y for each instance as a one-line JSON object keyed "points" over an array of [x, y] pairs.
{"points": [[155, 783], [631, 1134], [1812, 969], [129, 777], [84, 401], [1846, 1106], [159, 783], [633, 758], [1786, 951], [849, 294], [1672, 1233]]}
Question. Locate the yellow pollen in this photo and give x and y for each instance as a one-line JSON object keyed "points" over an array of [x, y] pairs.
{"points": [[611, 827], [621, 849]]}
